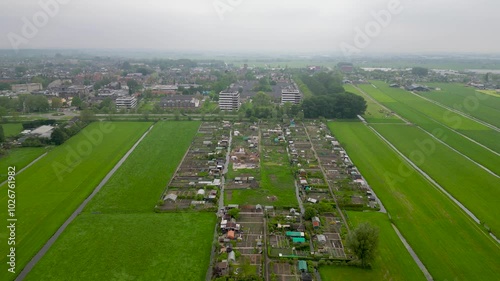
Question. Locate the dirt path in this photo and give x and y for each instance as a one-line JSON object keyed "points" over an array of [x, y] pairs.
{"points": [[26, 270]]}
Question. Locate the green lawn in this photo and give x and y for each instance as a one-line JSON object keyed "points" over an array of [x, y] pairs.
{"points": [[468, 100], [465, 146], [131, 241], [139, 246], [12, 129], [467, 182], [50, 190], [18, 157], [374, 112], [393, 262], [448, 242]]}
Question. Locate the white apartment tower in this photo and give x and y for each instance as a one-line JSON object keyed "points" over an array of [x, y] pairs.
{"points": [[229, 101], [290, 95]]}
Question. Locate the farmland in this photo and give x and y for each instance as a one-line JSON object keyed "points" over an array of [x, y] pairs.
{"points": [[395, 98], [467, 182], [53, 187], [133, 242], [393, 262], [467, 100], [476, 152], [20, 158], [450, 244], [374, 112]]}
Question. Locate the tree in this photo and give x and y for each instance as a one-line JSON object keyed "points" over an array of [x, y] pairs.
{"points": [[56, 103], [420, 71], [58, 136], [309, 213], [133, 86], [235, 213], [76, 101], [363, 241], [87, 115], [2, 135]]}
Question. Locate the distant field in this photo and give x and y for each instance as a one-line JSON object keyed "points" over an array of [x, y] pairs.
{"points": [[451, 245], [12, 129], [467, 100], [138, 246], [393, 262], [20, 158], [467, 182], [133, 242], [50, 190], [276, 181], [470, 128], [374, 112], [460, 143], [490, 92]]}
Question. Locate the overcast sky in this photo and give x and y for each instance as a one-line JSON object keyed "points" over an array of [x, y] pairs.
{"points": [[254, 25]]}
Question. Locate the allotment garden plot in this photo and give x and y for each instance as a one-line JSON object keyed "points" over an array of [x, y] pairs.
{"points": [[197, 181]]}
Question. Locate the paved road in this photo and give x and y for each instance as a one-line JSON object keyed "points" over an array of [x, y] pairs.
{"points": [[29, 165], [26, 270], [422, 267]]}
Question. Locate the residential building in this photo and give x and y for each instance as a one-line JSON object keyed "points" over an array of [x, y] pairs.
{"points": [[180, 101], [31, 87], [229, 101], [126, 102], [290, 95]]}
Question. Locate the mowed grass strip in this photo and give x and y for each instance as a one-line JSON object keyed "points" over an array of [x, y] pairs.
{"points": [[138, 184], [465, 146], [392, 262], [464, 125], [12, 129], [466, 100], [119, 237], [19, 158], [468, 183], [50, 190], [374, 112], [140, 246], [448, 242]]}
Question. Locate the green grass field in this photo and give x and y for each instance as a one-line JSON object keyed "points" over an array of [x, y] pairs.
{"points": [[139, 246], [12, 129], [374, 112], [20, 158], [449, 243], [465, 146], [467, 182], [138, 184], [133, 242], [467, 100], [50, 190], [468, 127], [276, 181], [393, 262]]}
